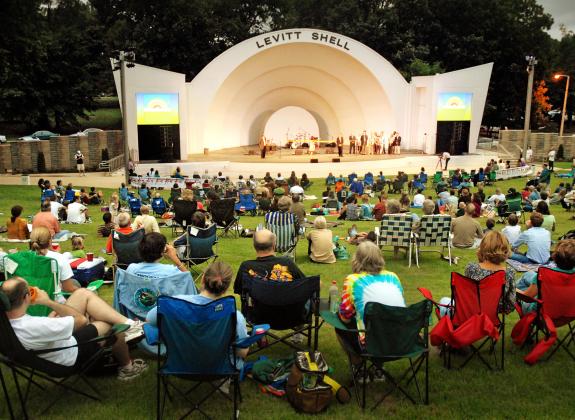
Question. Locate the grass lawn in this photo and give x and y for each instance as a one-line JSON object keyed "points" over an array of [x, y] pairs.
{"points": [[544, 390]]}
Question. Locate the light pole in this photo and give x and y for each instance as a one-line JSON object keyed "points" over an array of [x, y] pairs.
{"points": [[122, 60], [564, 110], [531, 62]]}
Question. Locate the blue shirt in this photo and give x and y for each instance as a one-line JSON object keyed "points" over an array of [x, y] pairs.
{"points": [[538, 241], [153, 270], [241, 329]]}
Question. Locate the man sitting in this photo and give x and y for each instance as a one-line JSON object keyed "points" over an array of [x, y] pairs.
{"points": [[69, 326], [266, 264], [46, 219], [152, 248], [467, 232], [77, 212], [537, 239], [144, 220], [123, 227]]}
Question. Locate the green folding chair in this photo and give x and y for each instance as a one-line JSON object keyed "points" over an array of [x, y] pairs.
{"points": [[38, 271]]}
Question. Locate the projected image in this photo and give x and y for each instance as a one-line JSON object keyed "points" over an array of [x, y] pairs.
{"points": [[157, 108], [454, 106]]}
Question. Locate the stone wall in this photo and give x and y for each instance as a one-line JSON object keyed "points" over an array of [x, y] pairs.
{"points": [[22, 156], [511, 141]]}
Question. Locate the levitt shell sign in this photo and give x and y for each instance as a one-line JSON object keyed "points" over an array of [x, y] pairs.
{"points": [[316, 36]]}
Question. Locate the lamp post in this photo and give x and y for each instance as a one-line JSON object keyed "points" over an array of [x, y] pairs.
{"points": [[531, 62], [564, 110], [123, 59]]}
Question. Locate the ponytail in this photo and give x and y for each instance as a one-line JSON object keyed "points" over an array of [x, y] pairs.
{"points": [[16, 211], [40, 239], [217, 278]]}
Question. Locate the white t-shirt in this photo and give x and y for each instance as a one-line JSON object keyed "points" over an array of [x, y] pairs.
{"points": [[551, 156], [529, 154], [511, 233], [498, 197], [63, 265], [446, 155], [42, 333], [54, 207], [418, 200], [75, 213]]}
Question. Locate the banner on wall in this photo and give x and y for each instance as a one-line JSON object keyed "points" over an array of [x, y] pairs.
{"points": [[517, 172], [454, 106]]}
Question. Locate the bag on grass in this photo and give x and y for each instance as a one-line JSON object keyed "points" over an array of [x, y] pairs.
{"points": [[341, 252], [306, 390]]}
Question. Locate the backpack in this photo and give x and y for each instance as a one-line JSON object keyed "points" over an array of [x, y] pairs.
{"points": [[306, 390]]}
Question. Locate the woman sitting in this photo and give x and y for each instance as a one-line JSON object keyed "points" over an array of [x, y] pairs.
{"points": [[305, 182], [564, 257], [320, 239], [198, 221], [548, 218], [370, 282], [17, 226], [366, 208]]}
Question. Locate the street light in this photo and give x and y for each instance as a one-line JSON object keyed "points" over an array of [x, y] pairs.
{"points": [[123, 59], [557, 77], [531, 62]]}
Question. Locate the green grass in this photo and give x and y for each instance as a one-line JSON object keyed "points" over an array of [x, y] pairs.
{"points": [[104, 118], [544, 390]]}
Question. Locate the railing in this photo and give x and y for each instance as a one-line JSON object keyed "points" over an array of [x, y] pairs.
{"points": [[113, 164]]}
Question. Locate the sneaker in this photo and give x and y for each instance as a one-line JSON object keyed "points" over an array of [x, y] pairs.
{"points": [[297, 338], [135, 332], [378, 375], [136, 368]]}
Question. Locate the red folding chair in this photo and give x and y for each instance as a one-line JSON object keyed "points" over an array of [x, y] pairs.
{"points": [[555, 309], [472, 315]]}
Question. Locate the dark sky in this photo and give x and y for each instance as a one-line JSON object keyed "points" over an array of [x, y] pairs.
{"points": [[563, 12]]}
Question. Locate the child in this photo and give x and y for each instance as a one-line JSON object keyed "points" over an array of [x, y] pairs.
{"points": [[366, 208], [78, 247], [489, 225], [512, 230]]}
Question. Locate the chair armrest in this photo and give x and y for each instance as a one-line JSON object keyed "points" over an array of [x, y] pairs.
{"points": [[258, 332], [152, 334], [427, 295], [334, 320], [522, 297]]}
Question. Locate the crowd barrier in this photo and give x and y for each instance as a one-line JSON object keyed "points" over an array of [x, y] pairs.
{"points": [[516, 172]]}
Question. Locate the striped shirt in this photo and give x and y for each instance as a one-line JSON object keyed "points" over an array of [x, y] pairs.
{"points": [[283, 224]]}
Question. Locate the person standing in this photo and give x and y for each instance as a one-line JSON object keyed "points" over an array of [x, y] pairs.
{"points": [[352, 144], [446, 158], [551, 158], [529, 154], [339, 142], [262, 144], [80, 163], [363, 143]]}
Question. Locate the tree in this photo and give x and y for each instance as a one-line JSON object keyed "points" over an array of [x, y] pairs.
{"points": [[541, 102]]}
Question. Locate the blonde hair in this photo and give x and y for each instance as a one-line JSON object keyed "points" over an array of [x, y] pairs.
{"points": [[367, 258], [187, 195], [494, 248], [114, 198], [284, 203], [320, 222], [77, 243], [40, 239]]}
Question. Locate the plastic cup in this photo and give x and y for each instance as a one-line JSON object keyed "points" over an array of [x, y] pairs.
{"points": [[90, 256], [55, 247]]}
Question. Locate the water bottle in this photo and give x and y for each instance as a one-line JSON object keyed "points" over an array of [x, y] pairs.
{"points": [[333, 297]]}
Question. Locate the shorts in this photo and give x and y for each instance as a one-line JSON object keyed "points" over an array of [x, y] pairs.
{"points": [[350, 339], [80, 166], [86, 351]]}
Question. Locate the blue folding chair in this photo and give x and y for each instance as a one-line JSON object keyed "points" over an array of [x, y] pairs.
{"points": [[368, 179], [135, 204], [159, 205], [246, 204], [201, 347], [69, 195], [200, 245]]}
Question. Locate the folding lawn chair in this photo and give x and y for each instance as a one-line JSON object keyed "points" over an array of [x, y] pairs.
{"points": [[159, 206], [291, 306], [246, 204], [437, 177], [397, 186], [126, 246], [183, 212], [472, 315], [201, 347], [223, 215], [395, 230], [200, 245], [490, 178], [368, 179], [39, 271], [512, 205], [283, 225], [27, 365], [433, 232], [134, 204], [555, 309]]}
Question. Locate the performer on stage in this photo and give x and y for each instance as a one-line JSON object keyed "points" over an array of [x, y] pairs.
{"points": [[311, 148], [363, 143], [339, 142], [384, 143], [263, 145], [352, 140]]}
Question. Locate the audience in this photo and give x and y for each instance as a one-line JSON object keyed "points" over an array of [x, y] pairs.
{"points": [[321, 245], [152, 249], [46, 219], [78, 247]]}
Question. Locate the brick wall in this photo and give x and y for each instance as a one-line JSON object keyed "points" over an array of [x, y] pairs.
{"points": [[541, 143], [22, 156]]}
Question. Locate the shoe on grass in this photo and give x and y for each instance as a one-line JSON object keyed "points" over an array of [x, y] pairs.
{"points": [[135, 369]]}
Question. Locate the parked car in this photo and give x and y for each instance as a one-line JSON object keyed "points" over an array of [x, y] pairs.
{"points": [[86, 131], [40, 135], [28, 138], [2, 139]]}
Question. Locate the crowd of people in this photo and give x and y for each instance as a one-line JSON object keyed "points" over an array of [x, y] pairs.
{"points": [[461, 196]]}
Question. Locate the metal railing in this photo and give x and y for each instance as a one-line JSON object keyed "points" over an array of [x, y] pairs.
{"points": [[113, 164]]}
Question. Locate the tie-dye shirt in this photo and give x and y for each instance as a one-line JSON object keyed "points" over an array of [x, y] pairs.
{"points": [[360, 288]]}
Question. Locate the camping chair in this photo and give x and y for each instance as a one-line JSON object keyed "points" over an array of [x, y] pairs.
{"points": [[433, 231], [159, 206], [437, 177], [391, 333], [27, 365], [397, 186], [126, 246], [134, 295], [223, 215], [491, 178], [395, 230], [200, 245], [555, 309], [472, 315], [512, 205], [183, 212], [332, 204], [69, 195], [134, 204], [423, 178], [246, 204], [283, 225], [39, 271], [368, 179], [201, 347], [291, 306]]}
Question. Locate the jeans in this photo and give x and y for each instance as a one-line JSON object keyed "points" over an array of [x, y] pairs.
{"points": [[522, 258]]}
